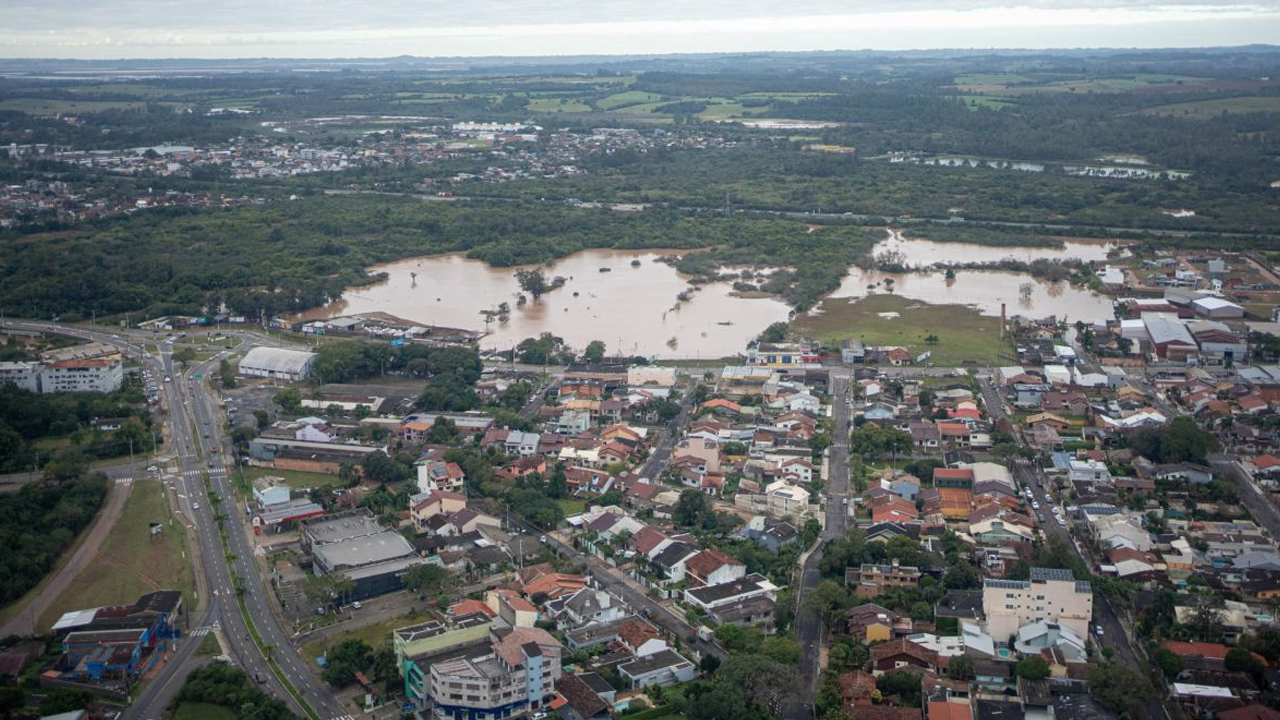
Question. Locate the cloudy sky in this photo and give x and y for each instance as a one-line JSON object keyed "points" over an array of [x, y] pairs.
{"points": [[381, 28]]}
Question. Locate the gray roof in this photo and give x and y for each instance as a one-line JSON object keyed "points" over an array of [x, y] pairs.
{"points": [[342, 527], [652, 663], [276, 360], [733, 588], [365, 550]]}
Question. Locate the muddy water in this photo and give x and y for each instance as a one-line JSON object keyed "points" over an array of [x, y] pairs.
{"points": [[923, 253], [633, 309]]}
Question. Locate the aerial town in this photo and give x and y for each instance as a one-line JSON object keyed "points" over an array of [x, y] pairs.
{"points": [[914, 542]]}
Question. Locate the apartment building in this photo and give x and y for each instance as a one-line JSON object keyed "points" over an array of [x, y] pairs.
{"points": [[1051, 594], [516, 674], [872, 580]]}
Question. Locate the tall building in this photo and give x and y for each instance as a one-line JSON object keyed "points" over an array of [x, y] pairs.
{"points": [[515, 674], [1051, 594], [102, 374]]}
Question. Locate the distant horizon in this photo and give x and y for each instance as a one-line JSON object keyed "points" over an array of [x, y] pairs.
{"points": [[135, 30], [579, 57]]}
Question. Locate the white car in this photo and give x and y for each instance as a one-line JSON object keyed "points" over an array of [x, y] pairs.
{"points": [[195, 506], [356, 604], [1035, 505]]}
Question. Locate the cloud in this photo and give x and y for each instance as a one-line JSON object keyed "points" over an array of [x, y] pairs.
{"points": [[326, 28]]}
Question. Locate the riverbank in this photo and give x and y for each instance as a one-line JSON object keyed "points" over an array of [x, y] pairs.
{"points": [[963, 335]]}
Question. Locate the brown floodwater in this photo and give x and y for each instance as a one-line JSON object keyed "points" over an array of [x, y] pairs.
{"points": [[634, 310], [920, 253]]}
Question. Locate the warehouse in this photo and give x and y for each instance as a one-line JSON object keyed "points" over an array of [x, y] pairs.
{"points": [[1216, 308], [292, 365]]}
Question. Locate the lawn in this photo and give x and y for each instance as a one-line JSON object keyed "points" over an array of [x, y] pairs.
{"points": [[986, 102], [624, 99], [130, 563], [204, 711], [556, 105], [571, 507], [209, 645], [375, 635], [295, 479], [963, 333]]}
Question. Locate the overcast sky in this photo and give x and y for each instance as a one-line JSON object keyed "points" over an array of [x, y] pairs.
{"points": [[381, 28]]}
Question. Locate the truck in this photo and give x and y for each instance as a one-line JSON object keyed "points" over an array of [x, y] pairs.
{"points": [[704, 633]]}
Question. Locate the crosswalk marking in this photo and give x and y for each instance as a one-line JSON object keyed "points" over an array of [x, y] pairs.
{"points": [[199, 632], [342, 717], [124, 481]]}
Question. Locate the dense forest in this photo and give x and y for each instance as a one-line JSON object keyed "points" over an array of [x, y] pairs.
{"points": [[59, 506], [227, 685], [26, 417]]}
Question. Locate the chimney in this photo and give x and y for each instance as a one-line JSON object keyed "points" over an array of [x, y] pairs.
{"points": [[1001, 321]]}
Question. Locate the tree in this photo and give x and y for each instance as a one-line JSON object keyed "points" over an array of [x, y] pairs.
{"points": [[289, 400], [1033, 667], [829, 601], [533, 282], [227, 373], [380, 468], [961, 576], [1118, 688], [775, 333], [960, 668], [905, 685], [1240, 660], [594, 353], [693, 509], [1182, 440], [344, 660], [428, 580]]}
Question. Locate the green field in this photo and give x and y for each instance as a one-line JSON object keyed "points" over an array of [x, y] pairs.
{"points": [[375, 635], [626, 99], [209, 645], [987, 102], [1203, 108], [43, 106], [571, 507], [295, 479], [963, 334], [130, 563], [204, 711], [557, 105]]}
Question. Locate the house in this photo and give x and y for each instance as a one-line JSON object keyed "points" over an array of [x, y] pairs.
{"points": [[712, 567], [707, 597], [640, 638], [902, 653], [576, 700], [1187, 471], [870, 623], [435, 475], [587, 606], [663, 668], [856, 689], [871, 580]]}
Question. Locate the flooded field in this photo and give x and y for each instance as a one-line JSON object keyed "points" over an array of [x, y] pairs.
{"points": [[628, 299]]}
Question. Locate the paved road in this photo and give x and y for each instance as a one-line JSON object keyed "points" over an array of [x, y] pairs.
{"points": [[661, 455], [198, 443], [1260, 507], [799, 706]]}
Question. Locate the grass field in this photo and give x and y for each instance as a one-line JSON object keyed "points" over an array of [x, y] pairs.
{"points": [[375, 635], [209, 645], [130, 563], [1205, 108], [295, 479], [987, 102], [44, 106], [556, 105], [204, 711], [963, 333], [571, 507], [624, 99]]}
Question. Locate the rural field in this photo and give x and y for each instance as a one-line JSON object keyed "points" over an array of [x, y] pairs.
{"points": [[130, 563], [963, 333]]}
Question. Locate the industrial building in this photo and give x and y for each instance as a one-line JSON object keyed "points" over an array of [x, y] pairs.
{"points": [[277, 364], [356, 545]]}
